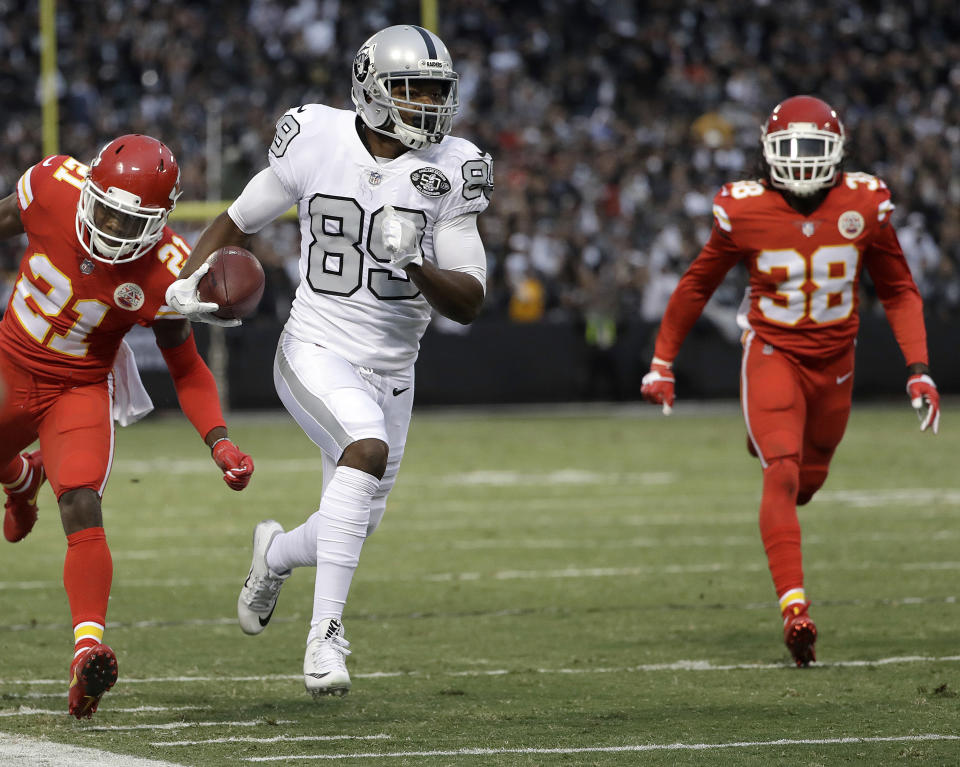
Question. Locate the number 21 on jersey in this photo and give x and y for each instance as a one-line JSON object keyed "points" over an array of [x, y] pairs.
{"points": [[52, 302]]}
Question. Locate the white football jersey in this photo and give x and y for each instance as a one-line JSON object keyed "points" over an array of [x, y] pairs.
{"points": [[350, 300]]}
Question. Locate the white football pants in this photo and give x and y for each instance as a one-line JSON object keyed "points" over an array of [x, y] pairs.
{"points": [[337, 403]]}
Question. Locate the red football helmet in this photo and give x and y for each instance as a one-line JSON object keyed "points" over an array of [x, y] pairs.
{"points": [[803, 145], [130, 189]]}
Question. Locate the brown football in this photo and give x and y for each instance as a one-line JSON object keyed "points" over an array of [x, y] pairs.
{"points": [[234, 282]]}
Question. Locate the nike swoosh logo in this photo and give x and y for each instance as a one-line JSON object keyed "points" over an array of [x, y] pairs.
{"points": [[265, 621], [398, 392], [320, 676], [841, 379], [46, 163]]}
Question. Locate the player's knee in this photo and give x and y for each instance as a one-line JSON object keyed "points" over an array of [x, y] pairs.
{"points": [[781, 478], [367, 455], [811, 480], [80, 509]]}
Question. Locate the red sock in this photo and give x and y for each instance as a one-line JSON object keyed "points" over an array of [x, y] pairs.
{"points": [[15, 471], [779, 526], [87, 575]]}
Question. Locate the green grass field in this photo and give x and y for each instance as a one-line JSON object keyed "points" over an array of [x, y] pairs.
{"points": [[546, 589]]}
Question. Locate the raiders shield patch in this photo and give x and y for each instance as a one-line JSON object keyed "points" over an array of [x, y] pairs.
{"points": [[430, 182]]}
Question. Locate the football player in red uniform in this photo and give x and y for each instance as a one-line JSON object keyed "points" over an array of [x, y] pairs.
{"points": [[98, 261], [804, 232]]}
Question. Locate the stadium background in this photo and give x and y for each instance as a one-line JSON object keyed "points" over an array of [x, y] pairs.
{"points": [[611, 124]]}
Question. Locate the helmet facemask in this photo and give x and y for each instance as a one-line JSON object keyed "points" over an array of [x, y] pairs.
{"points": [[803, 158], [416, 123], [113, 227]]}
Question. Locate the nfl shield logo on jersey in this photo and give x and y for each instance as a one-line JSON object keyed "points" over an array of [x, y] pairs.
{"points": [[430, 182], [128, 296]]}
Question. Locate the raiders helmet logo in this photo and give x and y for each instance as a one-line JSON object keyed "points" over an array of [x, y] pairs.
{"points": [[128, 296], [361, 64], [430, 182]]}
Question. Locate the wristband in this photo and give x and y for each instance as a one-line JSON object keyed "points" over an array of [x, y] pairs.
{"points": [[217, 442]]}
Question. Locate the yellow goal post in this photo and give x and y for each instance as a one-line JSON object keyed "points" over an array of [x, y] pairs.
{"points": [[207, 210]]}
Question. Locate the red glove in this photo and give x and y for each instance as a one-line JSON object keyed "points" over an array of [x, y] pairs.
{"points": [[923, 394], [237, 466], [657, 385]]}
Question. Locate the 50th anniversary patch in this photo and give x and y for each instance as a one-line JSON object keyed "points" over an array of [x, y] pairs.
{"points": [[430, 182]]}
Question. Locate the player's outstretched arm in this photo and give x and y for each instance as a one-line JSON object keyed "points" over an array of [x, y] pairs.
{"points": [[199, 400]]}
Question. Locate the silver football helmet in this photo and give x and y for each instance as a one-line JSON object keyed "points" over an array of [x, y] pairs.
{"points": [[384, 69]]}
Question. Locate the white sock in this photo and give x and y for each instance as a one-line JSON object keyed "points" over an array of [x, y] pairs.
{"points": [[298, 547], [340, 532]]}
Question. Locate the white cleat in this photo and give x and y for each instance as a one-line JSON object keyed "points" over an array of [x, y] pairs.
{"points": [[324, 665], [258, 597]]}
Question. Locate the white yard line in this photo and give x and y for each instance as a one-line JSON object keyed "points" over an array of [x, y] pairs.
{"points": [[567, 476], [33, 752], [28, 711], [678, 665], [184, 725], [277, 739], [615, 749], [511, 575], [230, 621]]}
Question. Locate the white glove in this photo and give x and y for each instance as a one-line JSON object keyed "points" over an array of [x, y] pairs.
{"points": [[400, 239], [182, 297]]}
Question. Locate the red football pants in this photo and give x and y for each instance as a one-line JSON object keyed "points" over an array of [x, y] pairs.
{"points": [[795, 416], [72, 422], [791, 410]]}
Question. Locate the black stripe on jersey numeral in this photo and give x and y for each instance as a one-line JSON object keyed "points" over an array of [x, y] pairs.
{"points": [[336, 256], [287, 130]]}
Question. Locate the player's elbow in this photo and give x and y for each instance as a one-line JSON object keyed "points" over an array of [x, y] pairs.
{"points": [[469, 308], [463, 313], [467, 317]]}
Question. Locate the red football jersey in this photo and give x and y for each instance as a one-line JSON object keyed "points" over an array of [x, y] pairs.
{"points": [[68, 313], [804, 270]]}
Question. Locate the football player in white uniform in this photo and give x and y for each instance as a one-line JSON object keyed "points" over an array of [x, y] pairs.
{"points": [[388, 204]]}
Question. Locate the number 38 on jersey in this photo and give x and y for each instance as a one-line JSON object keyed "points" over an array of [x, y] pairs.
{"points": [[820, 287]]}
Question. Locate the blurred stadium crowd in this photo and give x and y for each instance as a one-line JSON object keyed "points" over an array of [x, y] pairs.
{"points": [[612, 124]]}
